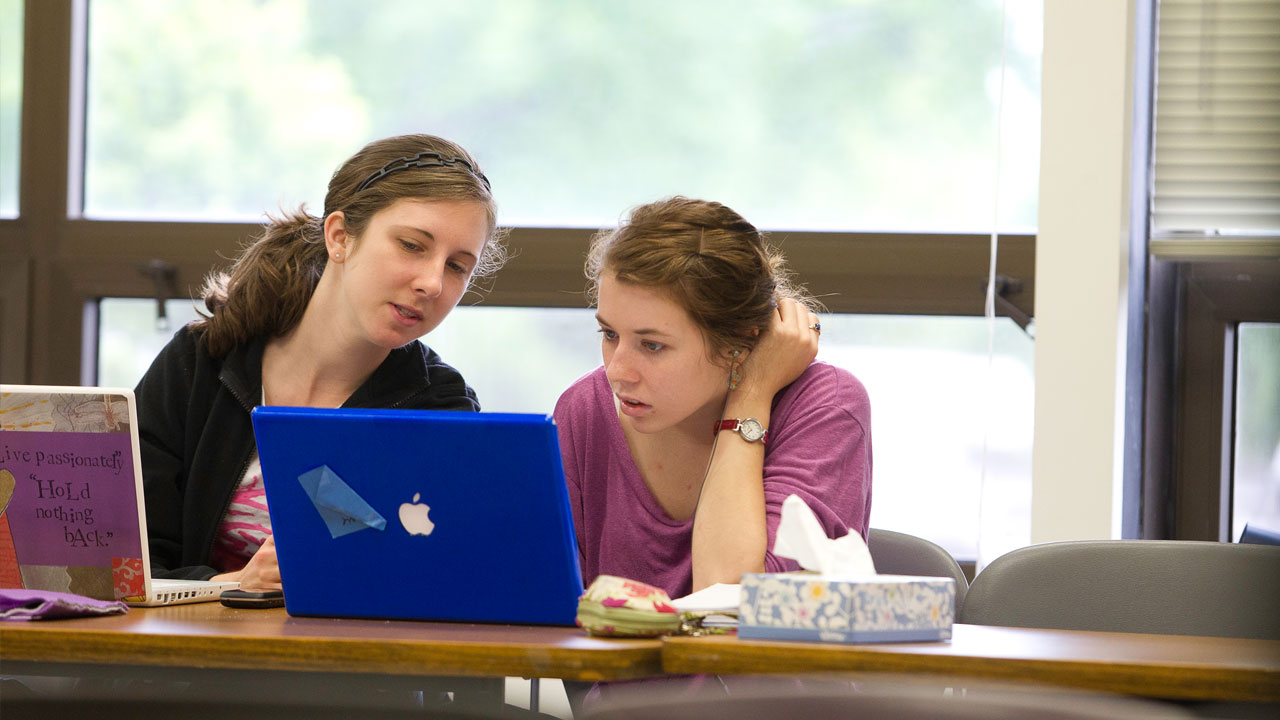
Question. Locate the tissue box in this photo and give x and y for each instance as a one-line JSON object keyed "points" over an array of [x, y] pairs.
{"points": [[875, 608]]}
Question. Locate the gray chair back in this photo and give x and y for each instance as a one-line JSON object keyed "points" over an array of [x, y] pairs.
{"points": [[1169, 587], [896, 553], [869, 697], [1259, 535]]}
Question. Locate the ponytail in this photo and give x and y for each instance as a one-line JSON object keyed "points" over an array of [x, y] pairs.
{"points": [[268, 287]]}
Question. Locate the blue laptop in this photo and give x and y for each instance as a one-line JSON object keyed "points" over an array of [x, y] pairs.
{"points": [[420, 515]]}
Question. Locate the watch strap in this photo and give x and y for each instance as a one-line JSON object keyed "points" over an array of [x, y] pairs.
{"points": [[726, 424], [735, 424]]}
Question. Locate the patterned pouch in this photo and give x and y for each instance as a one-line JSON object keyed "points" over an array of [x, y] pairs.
{"points": [[618, 607]]}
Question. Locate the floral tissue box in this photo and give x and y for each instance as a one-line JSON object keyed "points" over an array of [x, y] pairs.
{"points": [[875, 608]]}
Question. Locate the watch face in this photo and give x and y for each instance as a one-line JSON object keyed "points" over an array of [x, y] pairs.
{"points": [[751, 429]]}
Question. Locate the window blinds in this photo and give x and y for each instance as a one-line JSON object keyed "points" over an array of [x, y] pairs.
{"points": [[1217, 119]]}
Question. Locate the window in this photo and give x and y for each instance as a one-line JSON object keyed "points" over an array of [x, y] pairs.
{"points": [[860, 131], [10, 103], [1214, 287], [930, 387], [1256, 476], [801, 115], [1214, 411], [928, 379], [130, 335]]}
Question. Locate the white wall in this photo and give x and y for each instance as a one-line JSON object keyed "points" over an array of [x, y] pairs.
{"points": [[1081, 269]]}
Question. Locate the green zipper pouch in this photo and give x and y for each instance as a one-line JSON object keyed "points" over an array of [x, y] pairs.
{"points": [[617, 607]]}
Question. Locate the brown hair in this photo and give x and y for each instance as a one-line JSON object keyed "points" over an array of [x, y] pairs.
{"points": [[271, 282], [714, 263]]}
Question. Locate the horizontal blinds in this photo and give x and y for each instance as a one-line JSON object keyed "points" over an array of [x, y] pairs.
{"points": [[1217, 119]]}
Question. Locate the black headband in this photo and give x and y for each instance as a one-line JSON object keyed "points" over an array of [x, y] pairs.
{"points": [[421, 160]]}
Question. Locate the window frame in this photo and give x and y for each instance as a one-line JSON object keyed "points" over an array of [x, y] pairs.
{"points": [[69, 262], [54, 265], [1201, 284], [1190, 387]]}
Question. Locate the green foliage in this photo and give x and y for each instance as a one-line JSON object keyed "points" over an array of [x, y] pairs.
{"points": [[852, 114], [212, 109]]}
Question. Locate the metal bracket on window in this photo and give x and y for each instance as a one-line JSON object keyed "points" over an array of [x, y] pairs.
{"points": [[164, 276], [1004, 286]]}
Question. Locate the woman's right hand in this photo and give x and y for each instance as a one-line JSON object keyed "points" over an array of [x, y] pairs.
{"points": [[262, 572]]}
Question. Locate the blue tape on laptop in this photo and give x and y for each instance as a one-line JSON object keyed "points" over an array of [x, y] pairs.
{"points": [[420, 515]]}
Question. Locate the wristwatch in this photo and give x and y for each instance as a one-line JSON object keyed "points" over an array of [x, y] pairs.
{"points": [[750, 429]]}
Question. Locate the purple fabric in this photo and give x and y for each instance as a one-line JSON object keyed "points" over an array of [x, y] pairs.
{"points": [[18, 604], [819, 448]]}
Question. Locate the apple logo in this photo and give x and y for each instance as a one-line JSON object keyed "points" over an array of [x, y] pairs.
{"points": [[413, 516]]}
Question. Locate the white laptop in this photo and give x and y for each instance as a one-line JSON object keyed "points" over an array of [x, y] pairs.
{"points": [[72, 517]]}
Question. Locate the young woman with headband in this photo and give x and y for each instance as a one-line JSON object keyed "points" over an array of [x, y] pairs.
{"points": [[318, 312], [709, 409]]}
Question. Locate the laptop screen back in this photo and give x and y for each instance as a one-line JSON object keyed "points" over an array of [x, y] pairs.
{"points": [[71, 492], [427, 515]]}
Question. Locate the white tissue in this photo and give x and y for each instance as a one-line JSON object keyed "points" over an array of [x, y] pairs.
{"points": [[721, 597], [800, 537]]}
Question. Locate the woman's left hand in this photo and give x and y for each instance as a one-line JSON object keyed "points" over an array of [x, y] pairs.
{"points": [[784, 350], [262, 572]]}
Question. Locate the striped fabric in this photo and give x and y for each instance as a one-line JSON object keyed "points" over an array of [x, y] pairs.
{"points": [[246, 525]]}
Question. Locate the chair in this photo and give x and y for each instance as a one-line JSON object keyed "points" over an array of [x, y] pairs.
{"points": [[1168, 587], [896, 553], [1259, 535], [867, 695]]}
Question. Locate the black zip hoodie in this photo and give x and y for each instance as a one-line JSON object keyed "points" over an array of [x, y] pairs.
{"points": [[197, 438]]}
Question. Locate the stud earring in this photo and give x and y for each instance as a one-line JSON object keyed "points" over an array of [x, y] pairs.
{"points": [[734, 376]]}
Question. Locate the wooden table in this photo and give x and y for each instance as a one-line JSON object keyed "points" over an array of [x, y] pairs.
{"points": [[1159, 666], [197, 640], [208, 635], [269, 650]]}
